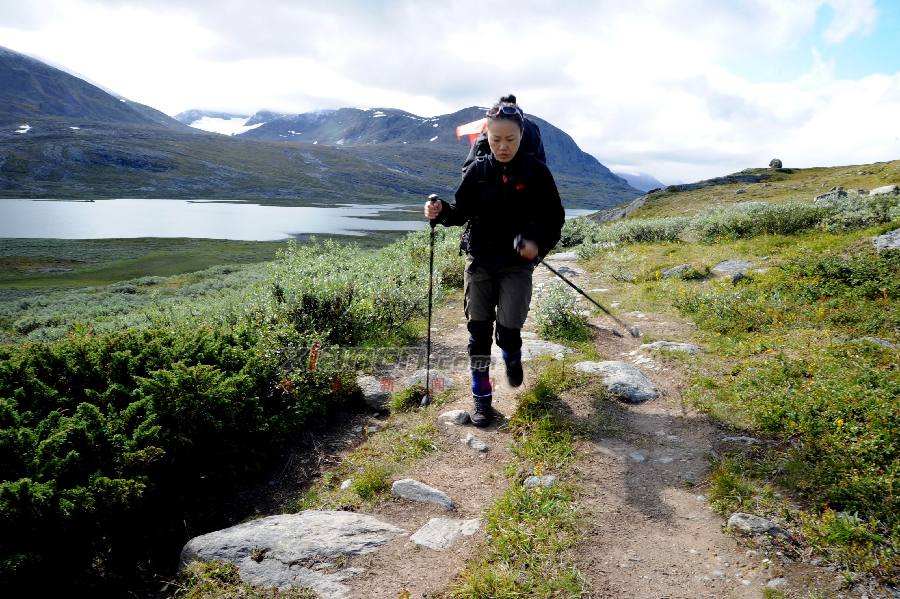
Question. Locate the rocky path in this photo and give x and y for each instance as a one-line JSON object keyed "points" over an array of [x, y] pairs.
{"points": [[647, 529]]}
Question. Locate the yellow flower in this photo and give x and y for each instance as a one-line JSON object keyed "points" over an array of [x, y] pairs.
{"points": [[839, 422]]}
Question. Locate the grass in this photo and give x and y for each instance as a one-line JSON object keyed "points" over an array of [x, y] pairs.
{"points": [[221, 580], [529, 530], [798, 184], [406, 438]]}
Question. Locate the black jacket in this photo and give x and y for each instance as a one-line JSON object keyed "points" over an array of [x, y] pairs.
{"points": [[499, 201], [531, 144]]}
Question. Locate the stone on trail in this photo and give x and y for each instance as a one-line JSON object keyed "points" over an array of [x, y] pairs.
{"points": [[282, 542], [440, 533], [689, 348], [455, 417], [547, 480], [776, 583], [750, 523], [563, 256], [622, 380], [407, 488], [475, 443], [888, 241], [570, 270], [346, 484], [742, 440], [374, 393]]}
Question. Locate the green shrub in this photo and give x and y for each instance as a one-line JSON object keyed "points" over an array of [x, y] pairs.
{"points": [[557, 317], [750, 219], [372, 481], [408, 399], [856, 212]]}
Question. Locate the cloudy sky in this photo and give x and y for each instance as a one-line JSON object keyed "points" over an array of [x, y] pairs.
{"points": [[681, 89]]}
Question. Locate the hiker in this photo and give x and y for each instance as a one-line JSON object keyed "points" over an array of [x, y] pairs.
{"points": [[531, 139], [503, 195]]}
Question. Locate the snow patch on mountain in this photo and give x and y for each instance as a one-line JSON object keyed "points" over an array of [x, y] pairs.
{"points": [[231, 126]]}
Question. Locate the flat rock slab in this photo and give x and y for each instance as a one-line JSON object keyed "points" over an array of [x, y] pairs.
{"points": [[563, 256], [441, 533], [570, 271], [888, 241], [675, 271], [622, 380], [689, 348], [312, 536], [732, 267], [407, 488], [885, 189]]}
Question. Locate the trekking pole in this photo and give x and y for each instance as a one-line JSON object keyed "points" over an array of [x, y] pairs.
{"points": [[632, 330], [426, 399]]}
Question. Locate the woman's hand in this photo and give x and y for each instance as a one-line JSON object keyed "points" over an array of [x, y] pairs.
{"points": [[528, 249], [433, 207]]}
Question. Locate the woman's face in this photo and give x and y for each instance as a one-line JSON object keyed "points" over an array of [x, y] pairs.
{"points": [[504, 137]]}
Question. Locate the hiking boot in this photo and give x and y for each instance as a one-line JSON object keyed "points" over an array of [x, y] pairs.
{"points": [[514, 372], [483, 414]]}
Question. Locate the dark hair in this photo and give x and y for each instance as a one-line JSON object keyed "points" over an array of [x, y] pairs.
{"points": [[501, 111]]}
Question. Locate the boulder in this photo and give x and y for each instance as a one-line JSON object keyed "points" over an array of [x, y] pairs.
{"points": [[440, 533], [888, 241], [688, 348], [836, 193], [547, 480], [278, 551], [622, 380], [751, 524], [375, 394], [414, 490], [885, 189], [775, 163]]}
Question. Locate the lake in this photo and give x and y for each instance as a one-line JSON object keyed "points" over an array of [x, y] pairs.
{"points": [[205, 219]]}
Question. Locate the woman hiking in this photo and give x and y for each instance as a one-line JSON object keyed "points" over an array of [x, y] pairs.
{"points": [[509, 202]]}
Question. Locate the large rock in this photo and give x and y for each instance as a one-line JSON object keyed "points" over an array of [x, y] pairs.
{"points": [[440, 533], [751, 524], [414, 490], [622, 380], [888, 241], [775, 163], [731, 268], [834, 194], [375, 394], [278, 551], [688, 348], [885, 189]]}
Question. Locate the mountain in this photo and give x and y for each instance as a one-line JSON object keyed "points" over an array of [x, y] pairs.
{"points": [[61, 136], [641, 181], [390, 128], [32, 91]]}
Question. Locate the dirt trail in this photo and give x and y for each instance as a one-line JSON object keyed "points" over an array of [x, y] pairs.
{"points": [[647, 532]]}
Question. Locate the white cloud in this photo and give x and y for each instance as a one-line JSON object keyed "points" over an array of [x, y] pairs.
{"points": [[649, 86]]}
